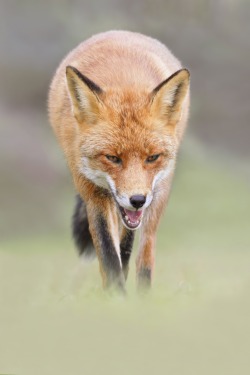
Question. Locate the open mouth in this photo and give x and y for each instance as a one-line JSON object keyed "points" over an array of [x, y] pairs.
{"points": [[131, 219]]}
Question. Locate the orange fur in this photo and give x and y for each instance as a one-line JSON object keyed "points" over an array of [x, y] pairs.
{"points": [[118, 94]]}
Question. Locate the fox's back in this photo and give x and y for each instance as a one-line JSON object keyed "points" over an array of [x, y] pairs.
{"points": [[122, 58]]}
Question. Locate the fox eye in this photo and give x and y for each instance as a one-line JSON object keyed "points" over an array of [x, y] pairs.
{"points": [[152, 158], [114, 159]]}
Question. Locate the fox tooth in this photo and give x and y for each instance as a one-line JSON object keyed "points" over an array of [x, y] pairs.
{"points": [[126, 217]]}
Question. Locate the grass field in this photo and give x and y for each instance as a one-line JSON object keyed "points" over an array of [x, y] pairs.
{"points": [[55, 319]]}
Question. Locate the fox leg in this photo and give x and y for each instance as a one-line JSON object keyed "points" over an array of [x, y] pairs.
{"points": [[146, 257], [145, 260], [126, 244], [103, 225], [80, 230]]}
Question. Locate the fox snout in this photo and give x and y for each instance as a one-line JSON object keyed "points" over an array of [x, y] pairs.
{"points": [[138, 201], [133, 202], [132, 207]]}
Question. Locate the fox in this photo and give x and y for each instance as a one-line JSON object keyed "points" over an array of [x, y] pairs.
{"points": [[119, 105]]}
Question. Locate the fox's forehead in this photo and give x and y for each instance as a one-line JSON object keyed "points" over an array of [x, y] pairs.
{"points": [[126, 96], [127, 126], [127, 137], [126, 106]]}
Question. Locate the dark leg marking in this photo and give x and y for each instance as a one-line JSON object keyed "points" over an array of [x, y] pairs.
{"points": [[109, 257], [144, 278], [80, 229], [126, 249]]}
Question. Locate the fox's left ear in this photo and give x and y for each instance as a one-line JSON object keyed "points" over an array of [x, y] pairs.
{"points": [[168, 97], [85, 96]]}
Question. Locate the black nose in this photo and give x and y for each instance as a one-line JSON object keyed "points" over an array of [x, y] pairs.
{"points": [[137, 201]]}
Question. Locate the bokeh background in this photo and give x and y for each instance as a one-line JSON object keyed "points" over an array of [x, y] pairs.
{"points": [[54, 318]]}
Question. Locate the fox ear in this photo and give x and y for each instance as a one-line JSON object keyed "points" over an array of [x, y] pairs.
{"points": [[168, 96], [84, 95]]}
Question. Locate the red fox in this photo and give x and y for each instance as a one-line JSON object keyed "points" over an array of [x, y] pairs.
{"points": [[119, 104]]}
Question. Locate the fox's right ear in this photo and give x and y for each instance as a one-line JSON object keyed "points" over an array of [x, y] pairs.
{"points": [[168, 97], [84, 96]]}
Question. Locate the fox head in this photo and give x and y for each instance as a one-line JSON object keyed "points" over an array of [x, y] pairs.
{"points": [[126, 137]]}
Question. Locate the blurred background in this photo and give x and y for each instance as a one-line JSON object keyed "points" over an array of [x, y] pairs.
{"points": [[203, 244]]}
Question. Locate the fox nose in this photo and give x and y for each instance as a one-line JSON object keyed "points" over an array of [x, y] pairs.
{"points": [[137, 201]]}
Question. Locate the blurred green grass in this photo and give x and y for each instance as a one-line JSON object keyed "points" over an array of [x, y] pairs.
{"points": [[55, 319]]}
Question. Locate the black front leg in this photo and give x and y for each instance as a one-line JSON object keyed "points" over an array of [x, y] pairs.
{"points": [[103, 236], [126, 246]]}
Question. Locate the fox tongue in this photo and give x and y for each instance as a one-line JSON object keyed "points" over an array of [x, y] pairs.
{"points": [[133, 216]]}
